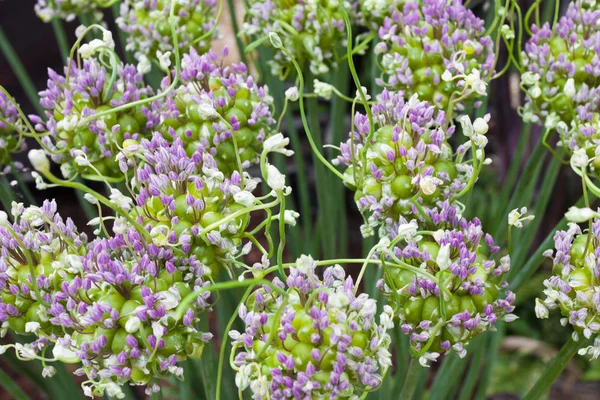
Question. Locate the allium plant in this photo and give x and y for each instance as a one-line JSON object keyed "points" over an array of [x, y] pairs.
{"points": [[435, 48], [149, 33], [320, 340], [561, 77], [220, 108], [47, 10], [10, 140], [71, 101], [444, 285], [313, 32], [404, 165], [573, 287]]}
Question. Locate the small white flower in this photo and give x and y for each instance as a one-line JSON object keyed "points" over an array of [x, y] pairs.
{"points": [[292, 94], [3, 218], [428, 185], [108, 40], [467, 126], [516, 217], [277, 144], [39, 160], [64, 354], [133, 325], [48, 372], [242, 378], [380, 48], [32, 327], [305, 264], [443, 258], [507, 32], [158, 330], [529, 78], [409, 230], [510, 318], [275, 40], [580, 158], [117, 198], [207, 110], [90, 198], [569, 89], [447, 76], [579, 215], [290, 216], [164, 59], [480, 126], [244, 198], [474, 81], [275, 179], [338, 300], [541, 311], [79, 31], [535, 92], [364, 91], [322, 89], [144, 65]]}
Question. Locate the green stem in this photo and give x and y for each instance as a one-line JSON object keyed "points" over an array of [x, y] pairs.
{"points": [[20, 72], [410, 381], [116, 10], [554, 369], [61, 38]]}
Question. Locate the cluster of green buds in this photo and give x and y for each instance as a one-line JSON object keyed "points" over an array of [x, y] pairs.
{"points": [[47, 10], [10, 120], [573, 287], [88, 113], [219, 108], [561, 78], [149, 28], [403, 165], [435, 48], [443, 284], [312, 32], [311, 338]]}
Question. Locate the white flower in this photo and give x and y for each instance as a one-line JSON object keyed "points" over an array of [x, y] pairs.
{"points": [[516, 217], [569, 89], [275, 179], [112, 389], [364, 91], [443, 258], [290, 216], [510, 318], [380, 48], [408, 230], [158, 330], [322, 89], [305, 264], [242, 378], [507, 32], [133, 325], [3, 218], [79, 31], [144, 65], [90, 198], [428, 185], [579, 215], [552, 121], [474, 81], [64, 354], [107, 38], [424, 359], [535, 92], [529, 78], [32, 327], [117, 198], [580, 158], [164, 59], [277, 144], [541, 311], [292, 94], [48, 372], [480, 126], [338, 300], [447, 76], [207, 110], [244, 198], [39, 160]]}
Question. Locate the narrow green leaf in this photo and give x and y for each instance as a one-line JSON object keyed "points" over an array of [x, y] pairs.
{"points": [[11, 387]]}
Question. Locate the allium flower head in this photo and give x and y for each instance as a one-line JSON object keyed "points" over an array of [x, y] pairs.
{"points": [[408, 162], [455, 263], [148, 26], [216, 104], [561, 78], [435, 48], [88, 91], [47, 10], [179, 197], [53, 246], [310, 31], [9, 139], [574, 288], [325, 341]]}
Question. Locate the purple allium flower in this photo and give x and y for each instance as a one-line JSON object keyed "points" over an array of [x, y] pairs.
{"points": [[85, 92], [149, 31], [456, 263], [326, 342], [561, 77], [68, 10], [420, 40], [310, 31], [408, 162], [179, 197], [9, 139], [214, 105], [574, 287]]}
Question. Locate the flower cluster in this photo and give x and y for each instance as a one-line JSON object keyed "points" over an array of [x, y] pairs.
{"points": [[47, 10], [110, 306], [89, 89], [310, 31], [147, 23], [561, 77], [574, 288], [219, 108], [9, 139], [444, 286], [186, 202], [407, 166], [435, 48], [320, 340]]}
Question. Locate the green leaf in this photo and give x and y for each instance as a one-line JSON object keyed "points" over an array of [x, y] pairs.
{"points": [[11, 387]]}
